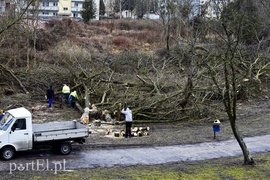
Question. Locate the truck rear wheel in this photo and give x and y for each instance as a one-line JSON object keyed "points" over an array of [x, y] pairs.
{"points": [[65, 148], [7, 153]]}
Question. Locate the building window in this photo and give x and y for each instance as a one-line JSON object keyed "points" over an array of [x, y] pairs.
{"points": [[75, 15], [54, 14], [65, 8], [45, 4], [76, 5], [45, 13], [55, 4]]}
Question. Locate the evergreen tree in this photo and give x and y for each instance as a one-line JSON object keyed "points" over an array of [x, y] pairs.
{"points": [[242, 20], [102, 8], [89, 10]]}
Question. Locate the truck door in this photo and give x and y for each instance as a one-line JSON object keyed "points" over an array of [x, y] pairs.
{"points": [[19, 135]]}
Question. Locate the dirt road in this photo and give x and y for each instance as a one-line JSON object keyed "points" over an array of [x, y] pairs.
{"points": [[133, 156]]}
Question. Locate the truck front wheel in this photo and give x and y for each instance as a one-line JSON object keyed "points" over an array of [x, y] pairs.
{"points": [[7, 153], [65, 148]]}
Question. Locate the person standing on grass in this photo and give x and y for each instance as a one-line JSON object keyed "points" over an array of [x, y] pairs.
{"points": [[50, 95], [128, 117]]}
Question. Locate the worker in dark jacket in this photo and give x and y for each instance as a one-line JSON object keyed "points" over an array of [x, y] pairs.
{"points": [[50, 95]]}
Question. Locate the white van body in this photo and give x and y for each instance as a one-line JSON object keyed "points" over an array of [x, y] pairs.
{"points": [[17, 133]]}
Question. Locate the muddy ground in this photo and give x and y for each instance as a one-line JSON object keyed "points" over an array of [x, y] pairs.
{"points": [[253, 120]]}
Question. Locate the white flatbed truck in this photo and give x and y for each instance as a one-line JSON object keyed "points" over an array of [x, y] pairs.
{"points": [[17, 133]]}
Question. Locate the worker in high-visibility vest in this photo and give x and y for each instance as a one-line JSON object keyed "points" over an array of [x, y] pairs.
{"points": [[66, 92], [72, 98]]}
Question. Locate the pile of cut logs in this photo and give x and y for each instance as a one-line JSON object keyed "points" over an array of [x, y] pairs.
{"points": [[135, 131]]}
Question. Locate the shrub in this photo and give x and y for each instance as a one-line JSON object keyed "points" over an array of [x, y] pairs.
{"points": [[121, 41], [147, 36], [140, 25]]}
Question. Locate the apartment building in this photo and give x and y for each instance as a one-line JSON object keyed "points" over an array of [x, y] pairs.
{"points": [[47, 9], [211, 8], [6, 6]]}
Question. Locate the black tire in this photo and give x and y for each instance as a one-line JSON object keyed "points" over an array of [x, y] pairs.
{"points": [[65, 148], [7, 153]]}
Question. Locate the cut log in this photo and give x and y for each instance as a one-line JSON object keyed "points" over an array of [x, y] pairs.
{"points": [[117, 134], [122, 133], [145, 133], [109, 131], [144, 128], [135, 129]]}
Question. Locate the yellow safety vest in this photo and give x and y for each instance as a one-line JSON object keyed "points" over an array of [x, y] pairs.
{"points": [[65, 89], [74, 94]]}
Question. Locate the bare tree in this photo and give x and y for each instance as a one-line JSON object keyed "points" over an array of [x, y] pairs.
{"points": [[230, 57], [231, 54], [17, 18], [230, 93]]}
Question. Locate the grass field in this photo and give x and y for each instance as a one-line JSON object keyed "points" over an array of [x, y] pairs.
{"points": [[224, 168]]}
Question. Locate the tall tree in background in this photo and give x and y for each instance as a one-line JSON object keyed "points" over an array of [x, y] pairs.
{"points": [[141, 8], [102, 9], [89, 10], [244, 13]]}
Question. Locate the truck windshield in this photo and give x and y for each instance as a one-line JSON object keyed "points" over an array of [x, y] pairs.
{"points": [[6, 121]]}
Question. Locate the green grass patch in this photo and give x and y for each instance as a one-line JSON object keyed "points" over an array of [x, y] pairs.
{"points": [[217, 169]]}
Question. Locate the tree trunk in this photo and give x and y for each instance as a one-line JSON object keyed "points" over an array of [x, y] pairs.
{"points": [[248, 160], [230, 106]]}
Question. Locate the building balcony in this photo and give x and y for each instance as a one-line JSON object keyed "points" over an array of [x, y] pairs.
{"points": [[76, 9], [45, 8], [78, 1], [64, 13], [54, 8]]}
